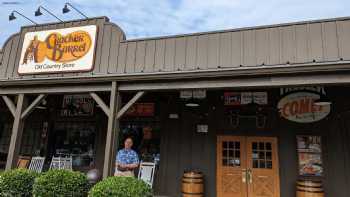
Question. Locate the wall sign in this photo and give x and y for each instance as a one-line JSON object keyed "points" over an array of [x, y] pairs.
{"points": [[59, 50], [77, 105], [299, 107], [141, 110]]}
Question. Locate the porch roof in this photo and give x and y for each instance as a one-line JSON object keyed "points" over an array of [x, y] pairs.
{"points": [[310, 46]]}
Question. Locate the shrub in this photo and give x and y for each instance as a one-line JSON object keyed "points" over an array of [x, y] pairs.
{"points": [[61, 183], [121, 187], [17, 182]]}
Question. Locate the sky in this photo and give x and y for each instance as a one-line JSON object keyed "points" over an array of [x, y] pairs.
{"points": [[148, 18]]}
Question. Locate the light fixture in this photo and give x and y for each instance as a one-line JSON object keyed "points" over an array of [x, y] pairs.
{"points": [[66, 9], [322, 101], [192, 104], [13, 17], [39, 13]]}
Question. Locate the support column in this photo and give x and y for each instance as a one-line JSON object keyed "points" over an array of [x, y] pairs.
{"points": [[17, 131], [112, 132], [19, 114]]}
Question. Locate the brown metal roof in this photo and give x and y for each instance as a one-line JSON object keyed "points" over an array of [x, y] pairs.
{"points": [[288, 45]]}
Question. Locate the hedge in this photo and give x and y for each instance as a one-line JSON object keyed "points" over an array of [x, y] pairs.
{"points": [[17, 182], [121, 187], [61, 183]]}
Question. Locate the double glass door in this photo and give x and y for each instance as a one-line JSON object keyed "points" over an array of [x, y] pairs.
{"points": [[247, 167]]}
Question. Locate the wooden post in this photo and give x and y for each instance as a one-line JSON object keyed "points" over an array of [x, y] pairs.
{"points": [[112, 132], [16, 136]]}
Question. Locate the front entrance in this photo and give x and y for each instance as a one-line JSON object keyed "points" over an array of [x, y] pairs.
{"points": [[247, 167]]}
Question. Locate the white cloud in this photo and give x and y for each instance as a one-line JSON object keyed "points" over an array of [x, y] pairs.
{"points": [[144, 18]]}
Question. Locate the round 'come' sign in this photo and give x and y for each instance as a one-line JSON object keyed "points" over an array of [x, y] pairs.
{"points": [[299, 107]]}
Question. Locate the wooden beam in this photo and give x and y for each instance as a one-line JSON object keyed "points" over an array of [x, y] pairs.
{"points": [[129, 104], [32, 106], [101, 103], [112, 132], [56, 89], [253, 81], [16, 137], [10, 105]]}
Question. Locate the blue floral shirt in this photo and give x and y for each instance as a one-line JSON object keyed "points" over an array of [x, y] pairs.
{"points": [[127, 156]]}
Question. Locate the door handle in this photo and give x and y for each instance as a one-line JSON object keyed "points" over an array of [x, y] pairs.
{"points": [[244, 175], [250, 176]]}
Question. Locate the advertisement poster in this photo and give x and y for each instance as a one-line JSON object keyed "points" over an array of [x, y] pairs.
{"points": [[310, 164], [310, 155]]}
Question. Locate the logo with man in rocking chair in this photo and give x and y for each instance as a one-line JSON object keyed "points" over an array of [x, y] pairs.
{"points": [[58, 48]]}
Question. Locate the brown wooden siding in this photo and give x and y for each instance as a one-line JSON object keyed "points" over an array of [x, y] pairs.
{"points": [[182, 148], [315, 42]]}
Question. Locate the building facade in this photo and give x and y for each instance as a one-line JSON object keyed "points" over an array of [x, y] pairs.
{"points": [[256, 110]]}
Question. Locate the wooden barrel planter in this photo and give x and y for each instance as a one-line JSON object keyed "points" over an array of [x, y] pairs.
{"points": [[309, 188], [192, 184]]}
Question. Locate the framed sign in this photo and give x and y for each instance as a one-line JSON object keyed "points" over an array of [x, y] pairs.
{"points": [[60, 50], [232, 98], [299, 107], [310, 155], [77, 105], [244, 98]]}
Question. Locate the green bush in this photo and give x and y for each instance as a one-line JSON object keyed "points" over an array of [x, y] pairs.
{"points": [[61, 183], [17, 182], [121, 187]]}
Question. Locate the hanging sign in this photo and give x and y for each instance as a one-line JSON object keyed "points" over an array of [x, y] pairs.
{"points": [[59, 50], [244, 98], [299, 107], [77, 105]]}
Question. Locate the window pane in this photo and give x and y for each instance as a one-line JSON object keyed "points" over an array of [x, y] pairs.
{"points": [[269, 155], [224, 153], [255, 146], [255, 164], [237, 145], [269, 164], [231, 145], [224, 162], [261, 145], [224, 145], [237, 153], [261, 155], [230, 153], [268, 146]]}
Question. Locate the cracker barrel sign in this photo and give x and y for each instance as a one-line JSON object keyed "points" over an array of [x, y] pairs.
{"points": [[299, 107], [60, 50]]}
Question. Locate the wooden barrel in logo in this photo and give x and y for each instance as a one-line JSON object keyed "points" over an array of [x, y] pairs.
{"points": [[192, 184], [309, 188]]}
